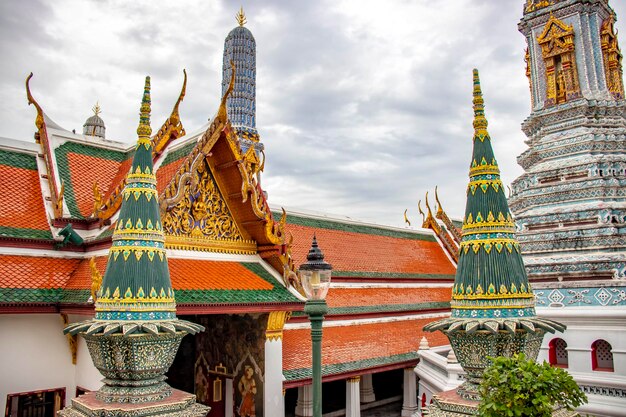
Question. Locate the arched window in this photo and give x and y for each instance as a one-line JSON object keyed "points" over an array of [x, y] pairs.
{"points": [[557, 355], [423, 400], [601, 356]]}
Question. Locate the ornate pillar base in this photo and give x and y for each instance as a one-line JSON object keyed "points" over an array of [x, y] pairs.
{"points": [[178, 404]]}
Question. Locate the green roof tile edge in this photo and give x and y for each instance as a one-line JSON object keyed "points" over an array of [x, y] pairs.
{"points": [[384, 308], [18, 232], [305, 373], [30, 295], [355, 228], [366, 274], [18, 160], [179, 153]]}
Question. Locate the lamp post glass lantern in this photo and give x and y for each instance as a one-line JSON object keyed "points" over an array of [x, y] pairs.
{"points": [[315, 278]]}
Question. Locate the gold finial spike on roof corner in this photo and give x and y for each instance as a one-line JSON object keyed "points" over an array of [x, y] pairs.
{"points": [[241, 17], [96, 109], [480, 122]]}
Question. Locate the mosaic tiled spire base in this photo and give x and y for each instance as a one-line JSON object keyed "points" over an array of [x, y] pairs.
{"points": [[135, 334], [493, 306]]}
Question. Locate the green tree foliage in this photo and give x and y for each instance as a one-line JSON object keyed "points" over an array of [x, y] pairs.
{"points": [[520, 387]]}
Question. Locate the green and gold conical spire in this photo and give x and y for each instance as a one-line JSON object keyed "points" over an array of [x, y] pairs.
{"points": [[491, 289], [136, 293], [137, 281], [490, 280]]}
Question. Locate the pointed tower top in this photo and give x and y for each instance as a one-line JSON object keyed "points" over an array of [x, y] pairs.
{"points": [[491, 289], [136, 285], [241, 17], [480, 122], [136, 294]]}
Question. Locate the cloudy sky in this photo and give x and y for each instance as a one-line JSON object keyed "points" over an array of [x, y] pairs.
{"points": [[363, 105]]}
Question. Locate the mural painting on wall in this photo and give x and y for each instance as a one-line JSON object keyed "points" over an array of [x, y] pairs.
{"points": [[201, 381], [231, 351], [247, 396]]}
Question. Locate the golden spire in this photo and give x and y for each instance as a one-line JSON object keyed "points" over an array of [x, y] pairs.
{"points": [[480, 122], [241, 17], [96, 109]]}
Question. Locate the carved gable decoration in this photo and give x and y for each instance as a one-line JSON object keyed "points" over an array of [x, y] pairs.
{"points": [[198, 217], [558, 51]]}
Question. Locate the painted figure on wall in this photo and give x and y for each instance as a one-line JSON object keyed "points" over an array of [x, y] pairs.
{"points": [[201, 381], [247, 389]]}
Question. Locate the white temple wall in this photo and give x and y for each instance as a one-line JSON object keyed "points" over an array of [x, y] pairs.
{"points": [[35, 355], [87, 376]]}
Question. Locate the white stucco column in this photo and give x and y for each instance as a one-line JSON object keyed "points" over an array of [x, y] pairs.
{"points": [[367, 389], [229, 398], [304, 405], [409, 402], [273, 400], [353, 397]]}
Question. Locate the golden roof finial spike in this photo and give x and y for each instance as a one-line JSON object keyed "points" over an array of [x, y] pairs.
{"points": [[241, 17], [480, 122], [96, 109]]}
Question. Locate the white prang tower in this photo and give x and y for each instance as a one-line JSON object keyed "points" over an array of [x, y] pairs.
{"points": [[570, 203]]}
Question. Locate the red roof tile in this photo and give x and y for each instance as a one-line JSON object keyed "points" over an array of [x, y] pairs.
{"points": [[84, 171], [350, 251], [352, 297], [166, 172], [35, 272], [21, 203], [194, 274], [343, 344]]}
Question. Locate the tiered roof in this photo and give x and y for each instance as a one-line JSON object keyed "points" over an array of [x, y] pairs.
{"points": [[385, 280]]}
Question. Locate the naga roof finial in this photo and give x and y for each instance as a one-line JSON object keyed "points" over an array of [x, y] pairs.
{"points": [[241, 17]]}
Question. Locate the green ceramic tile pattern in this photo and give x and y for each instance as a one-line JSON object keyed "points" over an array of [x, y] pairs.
{"points": [[18, 160], [179, 153], [355, 228], [43, 295], [75, 296], [365, 274], [305, 373], [25, 233], [64, 168], [30, 295], [278, 294], [383, 308]]}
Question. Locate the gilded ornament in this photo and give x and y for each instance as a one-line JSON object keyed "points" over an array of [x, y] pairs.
{"points": [[558, 51], [96, 279]]}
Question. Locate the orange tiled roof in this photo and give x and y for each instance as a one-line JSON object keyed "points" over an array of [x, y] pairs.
{"points": [[358, 344], [352, 297], [352, 251], [84, 171], [35, 272], [21, 203], [204, 282], [192, 274], [188, 274]]}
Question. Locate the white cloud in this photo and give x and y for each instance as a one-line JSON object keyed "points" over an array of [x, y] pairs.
{"points": [[363, 106]]}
